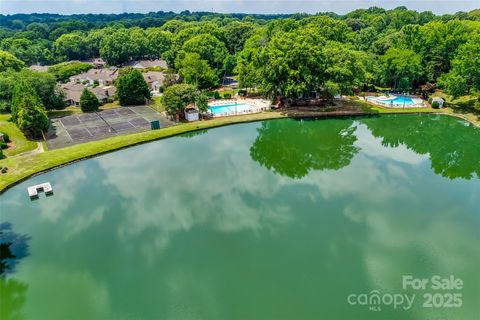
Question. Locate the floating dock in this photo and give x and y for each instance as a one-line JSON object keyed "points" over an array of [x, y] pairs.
{"points": [[43, 187]]}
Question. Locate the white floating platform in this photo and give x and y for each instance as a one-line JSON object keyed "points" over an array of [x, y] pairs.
{"points": [[43, 187]]}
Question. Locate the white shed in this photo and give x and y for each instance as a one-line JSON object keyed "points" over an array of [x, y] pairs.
{"points": [[439, 100], [2, 139], [191, 114]]}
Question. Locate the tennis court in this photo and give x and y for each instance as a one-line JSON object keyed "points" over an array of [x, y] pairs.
{"points": [[85, 127]]}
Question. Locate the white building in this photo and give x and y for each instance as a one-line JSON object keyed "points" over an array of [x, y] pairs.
{"points": [[192, 114]]}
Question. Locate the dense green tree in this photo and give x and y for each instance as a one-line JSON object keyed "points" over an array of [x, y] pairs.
{"points": [[345, 68], [116, 48], [329, 28], [236, 33], [88, 101], [401, 68], [196, 71], [249, 61], [40, 29], [27, 111], [17, 93], [465, 73], [138, 43], [209, 48], [9, 62], [57, 32], [201, 100], [176, 97], [24, 49], [173, 25], [7, 84], [159, 42], [453, 83], [94, 39], [43, 83], [292, 64], [45, 86], [70, 46], [132, 88]]}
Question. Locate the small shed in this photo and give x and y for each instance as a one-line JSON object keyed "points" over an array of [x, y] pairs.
{"points": [[2, 138], [191, 114], [439, 100]]}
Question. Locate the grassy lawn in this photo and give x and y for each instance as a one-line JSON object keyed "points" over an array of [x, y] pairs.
{"points": [[157, 104], [24, 166], [106, 106], [16, 136], [464, 102], [68, 111]]}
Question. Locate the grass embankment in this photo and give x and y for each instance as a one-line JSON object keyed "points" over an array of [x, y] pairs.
{"points": [[21, 144], [462, 107], [466, 115], [22, 167]]}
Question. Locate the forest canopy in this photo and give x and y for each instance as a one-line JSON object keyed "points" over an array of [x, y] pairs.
{"points": [[287, 55]]}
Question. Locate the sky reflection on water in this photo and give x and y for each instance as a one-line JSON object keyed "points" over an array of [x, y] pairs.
{"points": [[225, 224]]}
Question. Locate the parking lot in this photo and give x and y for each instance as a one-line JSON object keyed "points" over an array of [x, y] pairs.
{"points": [[85, 127]]}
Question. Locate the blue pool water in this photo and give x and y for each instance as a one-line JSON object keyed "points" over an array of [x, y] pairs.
{"points": [[240, 107], [395, 100]]}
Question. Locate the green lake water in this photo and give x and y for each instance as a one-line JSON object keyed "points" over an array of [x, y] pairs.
{"points": [[281, 219]]}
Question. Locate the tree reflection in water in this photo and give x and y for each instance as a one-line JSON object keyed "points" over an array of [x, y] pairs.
{"points": [[454, 149], [293, 148], [13, 248]]}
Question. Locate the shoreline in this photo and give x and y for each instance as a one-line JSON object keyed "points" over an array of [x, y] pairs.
{"points": [[42, 163]]}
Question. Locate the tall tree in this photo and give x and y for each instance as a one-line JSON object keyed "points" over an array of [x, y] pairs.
{"points": [[176, 97], [159, 42], [401, 68], [9, 62], [236, 33], [30, 115], [116, 48], [465, 73], [196, 71], [292, 64], [70, 46], [88, 101], [132, 89], [209, 48]]}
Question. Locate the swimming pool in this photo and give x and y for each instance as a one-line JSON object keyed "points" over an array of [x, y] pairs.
{"points": [[230, 108], [396, 101]]}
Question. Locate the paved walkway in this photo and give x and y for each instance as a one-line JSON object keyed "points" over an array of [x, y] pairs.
{"points": [[39, 149]]}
